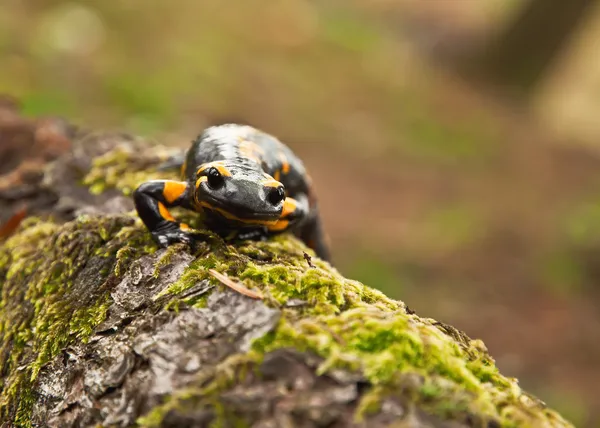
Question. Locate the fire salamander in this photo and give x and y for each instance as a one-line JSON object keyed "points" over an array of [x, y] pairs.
{"points": [[243, 181]]}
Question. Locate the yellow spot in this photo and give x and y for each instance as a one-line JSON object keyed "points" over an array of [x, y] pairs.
{"points": [[271, 183], [184, 226], [164, 212], [277, 175], [279, 226], [219, 165], [173, 190], [224, 171], [289, 206], [200, 180]]}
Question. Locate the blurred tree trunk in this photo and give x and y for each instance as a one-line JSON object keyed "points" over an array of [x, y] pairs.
{"points": [[522, 52]]}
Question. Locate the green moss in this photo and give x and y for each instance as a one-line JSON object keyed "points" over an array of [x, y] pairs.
{"points": [[84, 320], [198, 302], [129, 243], [354, 327], [370, 403], [194, 273], [166, 258], [54, 284], [125, 168], [123, 255]]}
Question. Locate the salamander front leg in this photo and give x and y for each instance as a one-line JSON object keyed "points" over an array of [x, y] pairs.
{"points": [[151, 200]]}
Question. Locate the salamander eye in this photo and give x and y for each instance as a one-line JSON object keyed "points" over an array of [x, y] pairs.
{"points": [[215, 179], [276, 195]]}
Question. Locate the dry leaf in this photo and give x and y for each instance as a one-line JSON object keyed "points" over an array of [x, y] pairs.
{"points": [[235, 285]]}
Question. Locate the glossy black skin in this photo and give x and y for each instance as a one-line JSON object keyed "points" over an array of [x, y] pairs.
{"points": [[246, 183]]}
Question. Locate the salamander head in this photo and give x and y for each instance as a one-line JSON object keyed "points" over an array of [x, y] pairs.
{"points": [[238, 194]]}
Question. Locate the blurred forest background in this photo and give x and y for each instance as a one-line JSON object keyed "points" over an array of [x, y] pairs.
{"points": [[455, 145]]}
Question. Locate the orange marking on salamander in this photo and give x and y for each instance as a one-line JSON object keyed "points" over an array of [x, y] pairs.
{"points": [[279, 226], [173, 190], [201, 180], [219, 165], [164, 212], [289, 206], [271, 183], [224, 171]]}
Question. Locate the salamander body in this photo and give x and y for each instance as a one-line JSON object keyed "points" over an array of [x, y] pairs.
{"points": [[243, 181]]}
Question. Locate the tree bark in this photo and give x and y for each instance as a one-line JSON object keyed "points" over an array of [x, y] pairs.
{"points": [[100, 327]]}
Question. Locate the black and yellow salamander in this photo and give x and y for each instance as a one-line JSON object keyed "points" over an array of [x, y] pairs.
{"points": [[243, 181]]}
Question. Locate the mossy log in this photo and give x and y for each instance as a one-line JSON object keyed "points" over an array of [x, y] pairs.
{"points": [[99, 327]]}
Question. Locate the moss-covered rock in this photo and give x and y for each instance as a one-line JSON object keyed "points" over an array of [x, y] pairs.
{"points": [[100, 327]]}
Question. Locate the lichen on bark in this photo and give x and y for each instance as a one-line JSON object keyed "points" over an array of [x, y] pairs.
{"points": [[99, 326]]}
